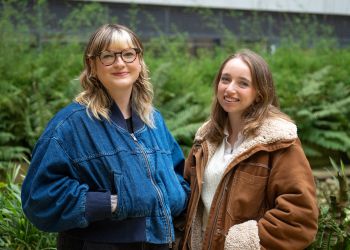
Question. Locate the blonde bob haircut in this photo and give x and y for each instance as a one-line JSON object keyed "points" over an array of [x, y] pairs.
{"points": [[94, 95], [265, 106]]}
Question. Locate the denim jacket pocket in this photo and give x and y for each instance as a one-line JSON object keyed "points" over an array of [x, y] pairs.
{"points": [[116, 186], [136, 198]]}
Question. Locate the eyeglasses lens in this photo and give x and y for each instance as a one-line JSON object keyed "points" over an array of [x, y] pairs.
{"points": [[108, 58]]}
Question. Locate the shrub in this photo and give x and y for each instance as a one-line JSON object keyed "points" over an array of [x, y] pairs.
{"points": [[312, 82], [16, 232], [334, 220]]}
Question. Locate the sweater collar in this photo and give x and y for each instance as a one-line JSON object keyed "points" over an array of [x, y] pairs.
{"points": [[272, 130], [118, 118]]}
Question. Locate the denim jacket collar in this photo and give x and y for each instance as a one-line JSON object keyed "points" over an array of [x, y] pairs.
{"points": [[118, 118]]}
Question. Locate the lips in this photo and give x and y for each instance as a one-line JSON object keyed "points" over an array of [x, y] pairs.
{"points": [[120, 74], [230, 99]]}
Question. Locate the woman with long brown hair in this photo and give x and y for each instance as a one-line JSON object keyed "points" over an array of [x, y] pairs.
{"points": [[251, 184]]}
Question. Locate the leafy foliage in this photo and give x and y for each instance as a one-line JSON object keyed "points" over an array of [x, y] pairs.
{"points": [[324, 122], [334, 220], [35, 82], [16, 232], [314, 95], [312, 82]]}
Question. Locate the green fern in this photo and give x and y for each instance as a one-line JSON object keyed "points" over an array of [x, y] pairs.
{"points": [[334, 220], [323, 118], [183, 119], [16, 232]]}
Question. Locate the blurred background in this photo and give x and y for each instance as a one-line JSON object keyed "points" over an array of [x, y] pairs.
{"points": [[306, 43]]}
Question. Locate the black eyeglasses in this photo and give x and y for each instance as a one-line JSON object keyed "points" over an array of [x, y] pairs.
{"points": [[107, 58]]}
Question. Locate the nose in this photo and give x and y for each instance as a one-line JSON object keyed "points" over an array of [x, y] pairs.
{"points": [[118, 60], [231, 87]]}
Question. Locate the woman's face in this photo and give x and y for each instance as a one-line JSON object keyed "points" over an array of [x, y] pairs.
{"points": [[120, 75], [235, 91]]}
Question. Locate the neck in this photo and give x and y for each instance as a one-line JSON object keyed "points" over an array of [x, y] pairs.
{"points": [[122, 99], [235, 125]]}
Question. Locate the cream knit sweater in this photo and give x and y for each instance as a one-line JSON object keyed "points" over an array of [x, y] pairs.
{"points": [[214, 172]]}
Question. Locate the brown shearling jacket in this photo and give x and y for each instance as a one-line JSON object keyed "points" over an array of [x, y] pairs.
{"points": [[268, 181]]}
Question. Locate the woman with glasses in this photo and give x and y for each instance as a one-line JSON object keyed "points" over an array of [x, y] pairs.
{"points": [[252, 187], [106, 173]]}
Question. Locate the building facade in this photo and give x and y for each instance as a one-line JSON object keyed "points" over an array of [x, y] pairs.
{"points": [[206, 22]]}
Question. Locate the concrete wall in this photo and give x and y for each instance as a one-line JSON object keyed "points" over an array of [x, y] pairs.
{"points": [[246, 24], [332, 7]]}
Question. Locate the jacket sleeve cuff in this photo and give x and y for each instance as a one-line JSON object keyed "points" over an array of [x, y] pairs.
{"points": [[98, 206], [243, 236]]}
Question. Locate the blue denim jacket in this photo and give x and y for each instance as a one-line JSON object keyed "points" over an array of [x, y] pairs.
{"points": [[79, 161]]}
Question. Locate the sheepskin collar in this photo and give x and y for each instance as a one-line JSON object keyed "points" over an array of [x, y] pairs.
{"points": [[272, 130]]}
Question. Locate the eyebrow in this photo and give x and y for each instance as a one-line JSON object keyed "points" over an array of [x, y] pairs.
{"points": [[244, 78], [225, 74], [240, 78], [118, 50]]}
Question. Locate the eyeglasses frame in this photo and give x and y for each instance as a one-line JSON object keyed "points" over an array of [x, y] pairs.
{"points": [[137, 50]]}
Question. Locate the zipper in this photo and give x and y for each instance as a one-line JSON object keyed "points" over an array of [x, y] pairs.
{"points": [[194, 217], [159, 193], [196, 184], [196, 187], [217, 209]]}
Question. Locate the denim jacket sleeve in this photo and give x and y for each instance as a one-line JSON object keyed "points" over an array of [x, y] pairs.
{"points": [[53, 199], [179, 163]]}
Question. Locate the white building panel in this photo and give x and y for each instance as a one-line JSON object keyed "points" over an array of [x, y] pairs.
{"points": [[333, 7]]}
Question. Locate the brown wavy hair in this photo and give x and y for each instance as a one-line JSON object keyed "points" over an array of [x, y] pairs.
{"points": [[267, 104], [94, 95]]}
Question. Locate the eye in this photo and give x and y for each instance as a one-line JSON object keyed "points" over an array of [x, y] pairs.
{"points": [[128, 53], [106, 55], [244, 84], [225, 79]]}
